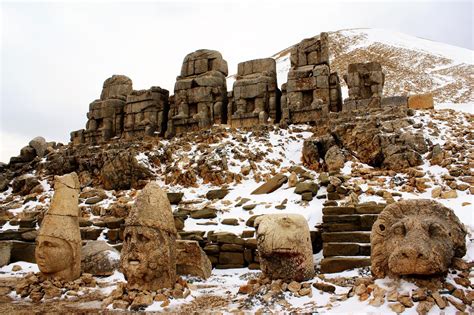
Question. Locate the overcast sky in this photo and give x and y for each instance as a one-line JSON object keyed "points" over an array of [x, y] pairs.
{"points": [[55, 56]]}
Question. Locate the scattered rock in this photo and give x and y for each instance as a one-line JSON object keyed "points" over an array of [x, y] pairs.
{"points": [[216, 194], [271, 185], [99, 259]]}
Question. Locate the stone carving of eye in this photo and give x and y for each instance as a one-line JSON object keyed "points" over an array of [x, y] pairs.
{"points": [[435, 230], [143, 238], [128, 237], [399, 229]]}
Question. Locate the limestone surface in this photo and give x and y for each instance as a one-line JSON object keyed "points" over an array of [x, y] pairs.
{"points": [[284, 246], [416, 237]]}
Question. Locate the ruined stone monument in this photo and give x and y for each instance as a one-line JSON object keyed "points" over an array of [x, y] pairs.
{"points": [[200, 93], [256, 97], [146, 112], [148, 257], [58, 245], [416, 237], [105, 116], [365, 82], [284, 246], [312, 90]]}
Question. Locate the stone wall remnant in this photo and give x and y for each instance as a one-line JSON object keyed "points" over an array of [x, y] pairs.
{"points": [[148, 257], [284, 246], [416, 237], [312, 90], [256, 97], [146, 112], [58, 249], [200, 93], [365, 83]]}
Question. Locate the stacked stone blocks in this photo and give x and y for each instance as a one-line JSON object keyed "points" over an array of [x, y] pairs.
{"points": [[200, 93], [255, 98]]}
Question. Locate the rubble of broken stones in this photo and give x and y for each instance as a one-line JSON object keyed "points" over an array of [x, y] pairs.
{"points": [[152, 257]]}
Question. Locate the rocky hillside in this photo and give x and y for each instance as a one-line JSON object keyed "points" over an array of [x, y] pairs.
{"points": [[411, 64]]}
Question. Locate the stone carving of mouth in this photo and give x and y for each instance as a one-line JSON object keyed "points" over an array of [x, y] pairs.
{"points": [[133, 262], [284, 251]]}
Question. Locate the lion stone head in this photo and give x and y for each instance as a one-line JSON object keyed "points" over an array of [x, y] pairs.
{"points": [[416, 237]]}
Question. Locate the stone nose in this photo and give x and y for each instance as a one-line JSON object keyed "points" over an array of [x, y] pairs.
{"points": [[412, 253]]}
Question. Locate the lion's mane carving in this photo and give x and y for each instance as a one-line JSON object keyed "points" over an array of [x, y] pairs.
{"points": [[415, 237]]}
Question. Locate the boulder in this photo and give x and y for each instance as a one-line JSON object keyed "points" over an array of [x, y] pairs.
{"points": [[216, 194], [306, 187], [192, 260], [40, 145], [99, 259], [27, 154], [24, 184], [121, 170], [175, 197], [334, 159], [271, 185]]}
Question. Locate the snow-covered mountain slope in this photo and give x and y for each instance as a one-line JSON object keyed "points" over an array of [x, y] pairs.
{"points": [[411, 64]]}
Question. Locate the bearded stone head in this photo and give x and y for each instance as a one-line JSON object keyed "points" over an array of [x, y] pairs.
{"points": [[284, 246], [148, 257], [415, 237]]}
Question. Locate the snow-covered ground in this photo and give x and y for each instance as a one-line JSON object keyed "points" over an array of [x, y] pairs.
{"points": [[286, 146]]}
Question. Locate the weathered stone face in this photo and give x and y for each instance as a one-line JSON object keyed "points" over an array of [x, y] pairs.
{"points": [[255, 94], [200, 93], [53, 254], [284, 246], [148, 258], [416, 237], [58, 249]]}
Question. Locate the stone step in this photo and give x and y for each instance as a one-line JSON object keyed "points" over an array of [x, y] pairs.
{"points": [[346, 237], [346, 249], [341, 263], [346, 223], [363, 208]]}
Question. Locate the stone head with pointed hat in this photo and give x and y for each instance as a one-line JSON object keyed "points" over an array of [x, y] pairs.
{"points": [[148, 258], [58, 248]]}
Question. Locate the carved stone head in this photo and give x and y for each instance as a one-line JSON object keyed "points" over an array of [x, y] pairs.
{"points": [[284, 246], [416, 237], [58, 245], [148, 258]]}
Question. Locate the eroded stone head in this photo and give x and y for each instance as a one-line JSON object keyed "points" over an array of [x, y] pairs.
{"points": [[284, 246], [58, 248], [416, 237], [148, 257]]}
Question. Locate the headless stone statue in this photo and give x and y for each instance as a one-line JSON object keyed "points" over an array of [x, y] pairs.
{"points": [[58, 245], [148, 258]]}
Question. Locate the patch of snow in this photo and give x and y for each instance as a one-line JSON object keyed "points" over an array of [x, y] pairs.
{"points": [[26, 267]]}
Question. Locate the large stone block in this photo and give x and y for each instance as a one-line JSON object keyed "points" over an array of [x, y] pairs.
{"points": [[192, 260], [421, 101]]}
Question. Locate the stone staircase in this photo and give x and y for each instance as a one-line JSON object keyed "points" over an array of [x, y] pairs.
{"points": [[346, 236]]}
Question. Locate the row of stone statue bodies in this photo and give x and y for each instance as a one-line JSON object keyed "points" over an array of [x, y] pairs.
{"points": [[201, 99], [414, 237]]}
